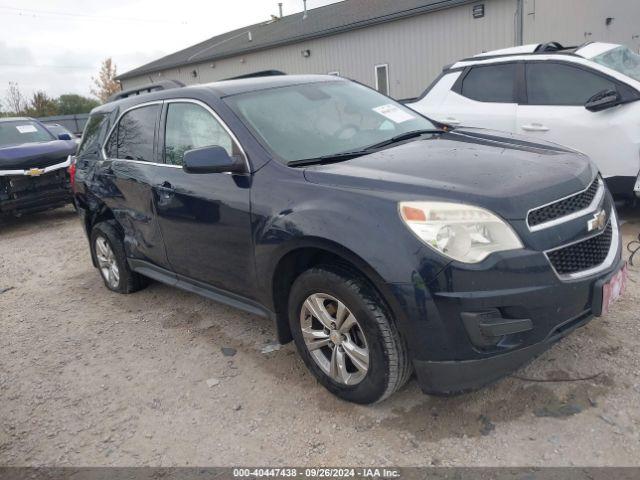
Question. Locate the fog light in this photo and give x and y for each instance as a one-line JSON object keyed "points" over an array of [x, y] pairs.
{"points": [[488, 327]]}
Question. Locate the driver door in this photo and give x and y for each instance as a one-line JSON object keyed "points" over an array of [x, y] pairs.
{"points": [[555, 111], [204, 218]]}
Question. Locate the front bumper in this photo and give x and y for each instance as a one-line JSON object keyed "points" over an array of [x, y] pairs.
{"points": [[453, 377], [474, 324], [27, 191]]}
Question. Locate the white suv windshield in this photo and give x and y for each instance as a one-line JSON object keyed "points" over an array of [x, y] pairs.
{"points": [[314, 120], [622, 60]]}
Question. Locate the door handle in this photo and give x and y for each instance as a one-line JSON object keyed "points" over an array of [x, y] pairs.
{"points": [[452, 121], [535, 127], [166, 189]]}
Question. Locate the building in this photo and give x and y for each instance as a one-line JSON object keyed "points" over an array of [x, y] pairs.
{"points": [[396, 46]]}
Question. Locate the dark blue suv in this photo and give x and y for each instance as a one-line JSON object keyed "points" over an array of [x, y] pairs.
{"points": [[33, 167], [380, 242]]}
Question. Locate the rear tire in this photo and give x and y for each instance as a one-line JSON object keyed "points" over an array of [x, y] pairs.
{"points": [[108, 251], [356, 351]]}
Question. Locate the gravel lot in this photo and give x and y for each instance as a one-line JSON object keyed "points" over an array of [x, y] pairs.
{"points": [[89, 377]]}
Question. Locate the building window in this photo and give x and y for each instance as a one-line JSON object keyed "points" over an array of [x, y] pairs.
{"points": [[382, 79]]}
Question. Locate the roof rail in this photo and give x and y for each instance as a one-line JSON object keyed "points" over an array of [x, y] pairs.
{"points": [[263, 73], [152, 87]]}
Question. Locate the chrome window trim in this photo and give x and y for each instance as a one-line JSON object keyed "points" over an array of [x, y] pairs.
{"points": [[608, 261], [48, 169], [593, 206], [636, 188], [172, 100]]}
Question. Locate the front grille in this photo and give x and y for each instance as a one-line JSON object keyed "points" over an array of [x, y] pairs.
{"points": [[19, 185], [583, 255], [564, 207]]}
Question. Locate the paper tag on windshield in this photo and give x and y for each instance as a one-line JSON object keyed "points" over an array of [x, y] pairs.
{"points": [[26, 128], [394, 113]]}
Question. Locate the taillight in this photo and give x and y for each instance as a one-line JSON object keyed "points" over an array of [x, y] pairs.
{"points": [[72, 172]]}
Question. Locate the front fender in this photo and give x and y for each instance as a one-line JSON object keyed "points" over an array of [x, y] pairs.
{"points": [[361, 226]]}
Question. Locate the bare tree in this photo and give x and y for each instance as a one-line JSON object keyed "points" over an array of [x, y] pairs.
{"points": [[14, 100], [105, 84]]}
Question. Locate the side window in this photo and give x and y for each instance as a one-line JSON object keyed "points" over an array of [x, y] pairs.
{"points": [[557, 84], [494, 83], [191, 126], [133, 138], [93, 131]]}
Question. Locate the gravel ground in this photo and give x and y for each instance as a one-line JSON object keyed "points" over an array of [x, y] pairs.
{"points": [[166, 378]]}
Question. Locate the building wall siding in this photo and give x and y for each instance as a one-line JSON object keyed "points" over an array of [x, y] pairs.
{"points": [[574, 22], [415, 49]]}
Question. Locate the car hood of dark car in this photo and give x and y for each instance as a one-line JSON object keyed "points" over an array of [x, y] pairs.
{"points": [[507, 174], [32, 155]]}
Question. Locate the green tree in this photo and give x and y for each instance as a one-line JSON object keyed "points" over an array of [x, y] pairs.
{"points": [[71, 103], [41, 105]]}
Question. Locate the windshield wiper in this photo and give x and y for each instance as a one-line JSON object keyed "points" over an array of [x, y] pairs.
{"points": [[339, 157], [336, 157], [400, 138]]}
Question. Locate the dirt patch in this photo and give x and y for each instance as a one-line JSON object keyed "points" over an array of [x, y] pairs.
{"points": [[89, 377]]}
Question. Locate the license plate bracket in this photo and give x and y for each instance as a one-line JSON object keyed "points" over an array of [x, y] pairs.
{"points": [[608, 290]]}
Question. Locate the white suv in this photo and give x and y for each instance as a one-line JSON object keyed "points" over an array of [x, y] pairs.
{"points": [[583, 97]]}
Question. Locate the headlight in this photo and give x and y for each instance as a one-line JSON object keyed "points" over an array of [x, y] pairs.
{"points": [[462, 232]]}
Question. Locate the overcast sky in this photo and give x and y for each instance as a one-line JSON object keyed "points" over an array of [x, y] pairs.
{"points": [[57, 45]]}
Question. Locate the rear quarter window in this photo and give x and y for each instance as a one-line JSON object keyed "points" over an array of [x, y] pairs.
{"points": [[94, 133]]}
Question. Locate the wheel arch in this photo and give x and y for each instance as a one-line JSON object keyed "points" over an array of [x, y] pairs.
{"points": [[100, 214], [312, 252]]}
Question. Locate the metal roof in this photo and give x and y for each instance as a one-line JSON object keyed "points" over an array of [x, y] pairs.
{"points": [[320, 22]]}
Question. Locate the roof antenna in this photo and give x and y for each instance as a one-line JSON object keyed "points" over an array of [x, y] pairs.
{"points": [[280, 8], [304, 17]]}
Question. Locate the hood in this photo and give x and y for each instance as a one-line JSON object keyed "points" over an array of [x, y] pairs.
{"points": [[30, 155], [507, 174]]}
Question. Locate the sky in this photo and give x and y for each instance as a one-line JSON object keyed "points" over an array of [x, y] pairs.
{"points": [[58, 45]]}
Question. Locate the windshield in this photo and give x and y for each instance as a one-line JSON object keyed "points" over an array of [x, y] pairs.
{"points": [[622, 60], [22, 131], [315, 120]]}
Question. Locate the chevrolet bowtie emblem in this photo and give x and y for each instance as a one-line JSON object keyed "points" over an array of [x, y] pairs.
{"points": [[34, 172], [598, 222]]}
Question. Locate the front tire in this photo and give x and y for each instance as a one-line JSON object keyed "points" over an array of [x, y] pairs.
{"points": [[345, 336], [108, 251]]}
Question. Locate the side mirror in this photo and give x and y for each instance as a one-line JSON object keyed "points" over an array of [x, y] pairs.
{"points": [[64, 136], [603, 100], [213, 159]]}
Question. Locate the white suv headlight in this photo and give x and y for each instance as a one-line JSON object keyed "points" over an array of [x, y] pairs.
{"points": [[462, 232]]}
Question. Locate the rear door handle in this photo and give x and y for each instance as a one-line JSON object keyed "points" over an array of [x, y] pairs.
{"points": [[452, 121], [535, 127]]}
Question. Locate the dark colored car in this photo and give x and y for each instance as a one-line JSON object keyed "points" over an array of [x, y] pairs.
{"points": [[33, 167], [379, 242], [59, 130]]}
